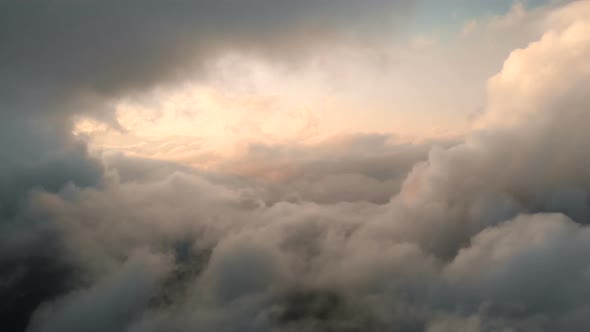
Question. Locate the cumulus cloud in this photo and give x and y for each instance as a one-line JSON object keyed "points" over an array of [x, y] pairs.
{"points": [[110, 304], [489, 234]]}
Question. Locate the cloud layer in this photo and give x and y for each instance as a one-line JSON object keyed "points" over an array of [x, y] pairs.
{"points": [[489, 234]]}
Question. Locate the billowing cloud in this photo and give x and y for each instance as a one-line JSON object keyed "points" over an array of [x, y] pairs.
{"points": [[489, 234]]}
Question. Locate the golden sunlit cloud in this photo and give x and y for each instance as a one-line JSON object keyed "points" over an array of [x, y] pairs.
{"points": [[249, 102]]}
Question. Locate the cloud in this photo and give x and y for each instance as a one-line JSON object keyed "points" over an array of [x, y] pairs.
{"points": [[61, 59], [110, 304], [490, 234], [119, 46]]}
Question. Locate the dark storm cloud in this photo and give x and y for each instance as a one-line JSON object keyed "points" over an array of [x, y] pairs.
{"points": [[59, 47]]}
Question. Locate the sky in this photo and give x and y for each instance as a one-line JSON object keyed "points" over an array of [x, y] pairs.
{"points": [[423, 76], [452, 14], [277, 166]]}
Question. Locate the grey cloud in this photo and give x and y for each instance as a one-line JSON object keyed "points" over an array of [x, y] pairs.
{"points": [[347, 168], [110, 304], [529, 286], [351, 168], [487, 235], [107, 47]]}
